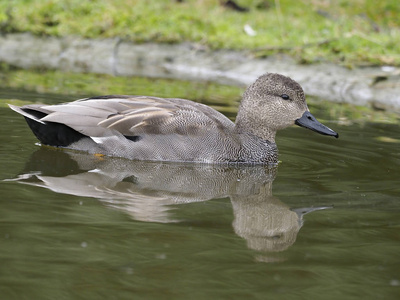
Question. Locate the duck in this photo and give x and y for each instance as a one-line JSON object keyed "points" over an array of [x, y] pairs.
{"points": [[177, 130]]}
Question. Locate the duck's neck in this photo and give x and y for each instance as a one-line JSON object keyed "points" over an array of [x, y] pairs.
{"points": [[246, 126]]}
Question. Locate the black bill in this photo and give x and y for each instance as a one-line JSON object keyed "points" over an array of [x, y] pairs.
{"points": [[307, 120]]}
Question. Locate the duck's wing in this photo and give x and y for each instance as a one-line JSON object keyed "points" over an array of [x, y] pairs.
{"points": [[131, 116]]}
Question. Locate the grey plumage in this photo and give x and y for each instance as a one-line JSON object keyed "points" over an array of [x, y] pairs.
{"points": [[172, 129]]}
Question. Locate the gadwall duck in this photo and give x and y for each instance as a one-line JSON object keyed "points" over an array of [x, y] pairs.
{"points": [[172, 129]]}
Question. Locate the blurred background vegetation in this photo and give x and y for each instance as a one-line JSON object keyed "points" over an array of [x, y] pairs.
{"points": [[20, 87], [348, 32]]}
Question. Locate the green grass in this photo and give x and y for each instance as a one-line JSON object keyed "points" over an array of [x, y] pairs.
{"points": [[349, 32]]}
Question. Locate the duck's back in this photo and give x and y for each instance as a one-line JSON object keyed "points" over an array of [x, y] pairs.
{"points": [[137, 127]]}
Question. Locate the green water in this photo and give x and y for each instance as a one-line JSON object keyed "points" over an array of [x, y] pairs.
{"points": [[324, 225]]}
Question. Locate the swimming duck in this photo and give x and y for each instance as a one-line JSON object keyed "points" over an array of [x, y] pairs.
{"points": [[172, 129]]}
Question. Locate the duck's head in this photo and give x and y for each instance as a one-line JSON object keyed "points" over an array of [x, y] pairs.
{"points": [[274, 102]]}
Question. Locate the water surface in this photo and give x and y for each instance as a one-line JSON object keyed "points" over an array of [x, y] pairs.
{"points": [[324, 224]]}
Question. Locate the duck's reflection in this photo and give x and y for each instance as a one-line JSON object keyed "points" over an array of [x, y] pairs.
{"points": [[147, 191]]}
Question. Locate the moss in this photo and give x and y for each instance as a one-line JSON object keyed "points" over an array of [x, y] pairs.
{"points": [[356, 32]]}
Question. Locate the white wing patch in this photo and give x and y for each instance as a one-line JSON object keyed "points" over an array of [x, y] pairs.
{"points": [[99, 140]]}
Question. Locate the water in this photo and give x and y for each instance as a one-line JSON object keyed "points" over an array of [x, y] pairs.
{"points": [[323, 225]]}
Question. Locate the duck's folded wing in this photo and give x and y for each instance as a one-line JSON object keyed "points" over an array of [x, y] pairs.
{"points": [[135, 115]]}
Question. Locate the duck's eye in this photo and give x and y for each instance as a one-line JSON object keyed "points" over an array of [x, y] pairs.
{"points": [[285, 97]]}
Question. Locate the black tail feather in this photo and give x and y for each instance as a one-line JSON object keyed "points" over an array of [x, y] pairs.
{"points": [[52, 134]]}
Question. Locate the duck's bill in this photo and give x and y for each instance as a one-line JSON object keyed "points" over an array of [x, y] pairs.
{"points": [[307, 120]]}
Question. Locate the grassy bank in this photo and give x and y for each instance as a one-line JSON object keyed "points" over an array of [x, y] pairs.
{"points": [[350, 32]]}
